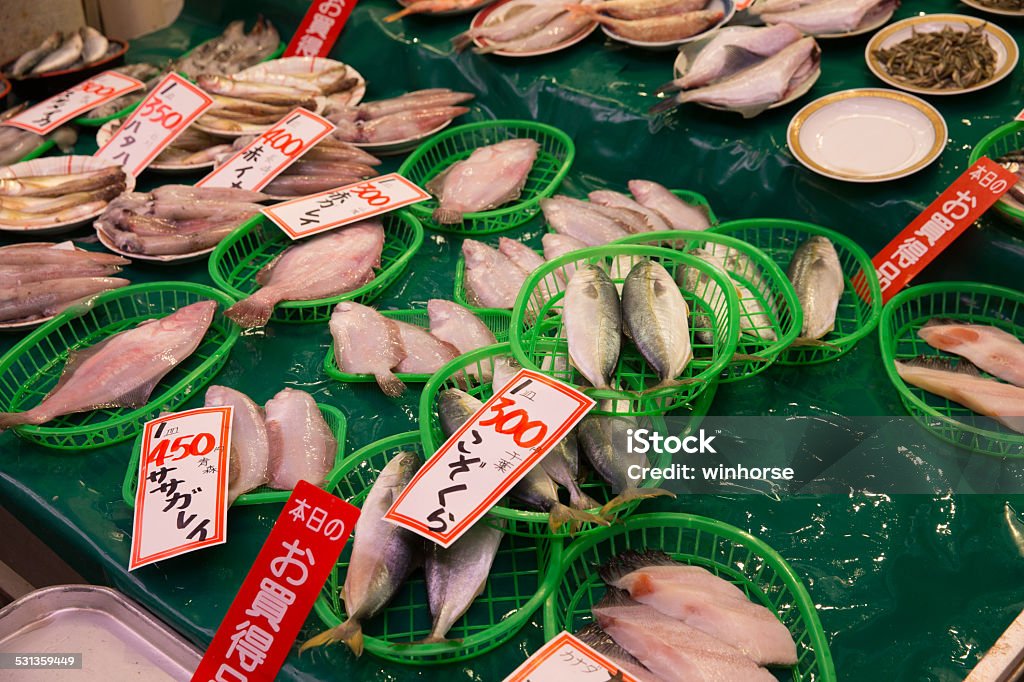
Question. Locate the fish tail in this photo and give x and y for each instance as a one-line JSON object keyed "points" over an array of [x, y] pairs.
{"points": [[462, 41], [667, 383], [803, 342], [446, 216], [33, 416], [559, 515], [390, 384], [631, 494], [350, 632], [400, 14], [580, 10], [666, 104], [745, 357], [254, 311], [671, 86], [580, 500]]}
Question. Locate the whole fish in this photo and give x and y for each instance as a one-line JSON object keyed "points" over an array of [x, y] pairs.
{"points": [[493, 280], [655, 221], [61, 58], [817, 277], [121, 370], [40, 255], [302, 447], [401, 125], [654, 313], [15, 144], [59, 185], [601, 642], [433, 98], [962, 383], [456, 576], [657, 29], [604, 440], [66, 215], [560, 29], [754, 318], [366, 342], [522, 18], [326, 265], [677, 213], [315, 167], [592, 318], [249, 466], [829, 16], [259, 91], [42, 206], [646, 9], [730, 51], [185, 193], [458, 326], [753, 90], [992, 349], [15, 275], [424, 353], [28, 61], [232, 51], [383, 556], [590, 227], [286, 185], [431, 7], [519, 253], [94, 45], [492, 176], [628, 219], [43, 299], [556, 245]]}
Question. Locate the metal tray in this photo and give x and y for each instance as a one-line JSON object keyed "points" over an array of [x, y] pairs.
{"points": [[118, 640]]}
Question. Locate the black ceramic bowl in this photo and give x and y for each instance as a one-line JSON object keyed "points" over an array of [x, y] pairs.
{"points": [[47, 84]]}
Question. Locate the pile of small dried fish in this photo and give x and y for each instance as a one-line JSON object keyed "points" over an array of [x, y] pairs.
{"points": [[662, 620], [16, 144], [40, 280], [817, 277], [1003, 4], [326, 265], [60, 52], [121, 370], [231, 51], [286, 442], [491, 177], [42, 200], [411, 115], [147, 73], [525, 26], [366, 342], [175, 219], [651, 21], [823, 17], [941, 60], [435, 7]]}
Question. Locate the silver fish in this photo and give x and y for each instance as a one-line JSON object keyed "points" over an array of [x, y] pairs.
{"points": [[522, 18], [992, 349], [730, 51], [592, 319], [590, 227], [302, 447], [59, 185], [366, 342], [14, 275], [754, 318], [817, 277], [458, 326], [63, 57], [28, 61], [249, 466], [492, 176], [424, 353], [42, 299], [654, 312], [94, 45], [679, 214], [562, 465], [40, 255], [492, 279]]}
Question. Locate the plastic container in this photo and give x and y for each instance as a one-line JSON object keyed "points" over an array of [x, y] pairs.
{"points": [[455, 144], [511, 594], [861, 304], [495, 320], [31, 369], [472, 373], [538, 335], [727, 551], [264, 494], [100, 120], [243, 253], [1003, 140], [968, 302], [766, 288]]}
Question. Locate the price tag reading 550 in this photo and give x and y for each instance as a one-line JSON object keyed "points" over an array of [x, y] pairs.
{"points": [[492, 451], [181, 500]]}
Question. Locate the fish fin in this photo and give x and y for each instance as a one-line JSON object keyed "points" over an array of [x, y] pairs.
{"points": [[745, 357], [350, 632], [580, 500], [559, 515], [391, 385], [267, 271], [460, 43], [737, 59], [630, 560], [942, 364], [802, 341], [436, 184], [254, 311], [136, 397], [446, 216], [614, 596], [664, 105], [670, 87], [753, 110], [631, 494]]}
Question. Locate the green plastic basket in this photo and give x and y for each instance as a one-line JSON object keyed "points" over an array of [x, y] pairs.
{"points": [[100, 120], [861, 304], [538, 336], [472, 373], [1002, 140], [513, 592], [455, 144], [774, 295], [236, 260], [264, 494], [495, 320], [725, 550], [969, 302], [31, 369]]}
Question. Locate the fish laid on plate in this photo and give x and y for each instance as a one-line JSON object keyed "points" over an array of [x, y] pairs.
{"points": [[326, 265], [249, 466], [817, 277], [647, 9], [824, 17], [657, 29], [491, 177], [493, 280], [991, 349], [592, 318], [232, 51], [121, 370], [41, 263], [383, 556], [654, 314], [42, 299], [525, 26], [434, 7], [730, 51], [41, 200], [604, 440], [400, 118], [302, 446]]}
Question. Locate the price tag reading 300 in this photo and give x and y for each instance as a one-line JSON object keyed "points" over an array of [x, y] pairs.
{"points": [[181, 501], [487, 456], [54, 112]]}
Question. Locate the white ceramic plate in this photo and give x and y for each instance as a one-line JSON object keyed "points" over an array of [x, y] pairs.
{"points": [[56, 165], [450, 12], [1004, 46], [728, 8], [867, 135], [286, 71], [107, 131], [174, 258], [497, 12], [992, 10]]}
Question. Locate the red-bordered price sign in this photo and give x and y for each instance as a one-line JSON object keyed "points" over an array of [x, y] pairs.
{"points": [[320, 28], [567, 659], [51, 114]]}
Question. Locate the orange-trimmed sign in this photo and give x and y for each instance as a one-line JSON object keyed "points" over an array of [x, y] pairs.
{"points": [[328, 210], [566, 659], [54, 112], [492, 451], [181, 502]]}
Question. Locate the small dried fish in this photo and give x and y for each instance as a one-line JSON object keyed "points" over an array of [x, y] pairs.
{"points": [[941, 60]]}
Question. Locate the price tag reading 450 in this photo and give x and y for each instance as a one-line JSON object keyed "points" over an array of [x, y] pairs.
{"points": [[181, 501], [492, 451]]}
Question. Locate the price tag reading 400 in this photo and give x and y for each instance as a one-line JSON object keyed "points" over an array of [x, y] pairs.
{"points": [[164, 114], [181, 502], [567, 659], [487, 456]]}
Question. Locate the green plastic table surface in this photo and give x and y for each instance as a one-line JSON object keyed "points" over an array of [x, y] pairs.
{"points": [[912, 587]]}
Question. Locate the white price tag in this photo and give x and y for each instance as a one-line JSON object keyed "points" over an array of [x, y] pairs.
{"points": [[268, 155], [51, 114], [567, 659], [492, 451], [161, 116], [181, 502], [349, 204]]}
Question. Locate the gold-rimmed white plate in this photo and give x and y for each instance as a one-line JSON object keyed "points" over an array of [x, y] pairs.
{"points": [[867, 135], [982, 7], [1002, 43]]}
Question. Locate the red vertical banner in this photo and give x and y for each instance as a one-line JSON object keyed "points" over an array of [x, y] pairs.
{"points": [[261, 625], [320, 28]]}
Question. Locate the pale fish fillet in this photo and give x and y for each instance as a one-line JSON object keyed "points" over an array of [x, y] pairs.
{"points": [[601, 642], [302, 447], [521, 254], [992, 349], [590, 227], [250, 448], [655, 221], [558, 30], [519, 22], [830, 16], [655, 29], [366, 342], [122, 370], [731, 50], [491, 176], [679, 214], [492, 279], [458, 326], [42, 299], [424, 353]]}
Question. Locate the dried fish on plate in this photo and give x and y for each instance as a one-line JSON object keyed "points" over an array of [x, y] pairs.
{"points": [[58, 192], [409, 117], [63, 52], [231, 51], [826, 18], [438, 7], [524, 28], [654, 31], [730, 51], [948, 58]]}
